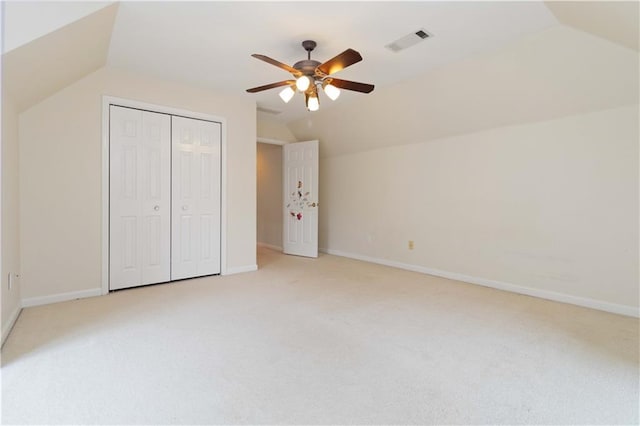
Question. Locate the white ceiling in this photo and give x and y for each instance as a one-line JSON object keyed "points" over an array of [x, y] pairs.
{"points": [[616, 21], [25, 21], [41, 66], [209, 43]]}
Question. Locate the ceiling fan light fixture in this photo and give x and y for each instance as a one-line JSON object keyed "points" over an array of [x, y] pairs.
{"points": [[331, 91], [312, 103], [303, 83], [309, 76], [287, 94]]}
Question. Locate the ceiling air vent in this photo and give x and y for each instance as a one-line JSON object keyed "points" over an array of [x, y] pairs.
{"points": [[408, 40]]}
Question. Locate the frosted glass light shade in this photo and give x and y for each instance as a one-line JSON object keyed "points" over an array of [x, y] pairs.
{"points": [[287, 94], [313, 104], [332, 92], [302, 83]]}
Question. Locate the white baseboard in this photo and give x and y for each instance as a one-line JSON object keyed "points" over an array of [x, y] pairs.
{"points": [[61, 297], [6, 328], [270, 246], [241, 269], [615, 308]]}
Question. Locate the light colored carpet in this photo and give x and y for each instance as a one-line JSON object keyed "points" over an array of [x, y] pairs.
{"points": [[330, 340]]}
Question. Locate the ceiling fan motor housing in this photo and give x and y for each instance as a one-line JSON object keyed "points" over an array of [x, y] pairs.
{"points": [[307, 66]]}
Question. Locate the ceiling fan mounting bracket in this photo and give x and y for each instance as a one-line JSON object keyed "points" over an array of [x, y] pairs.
{"points": [[309, 45]]}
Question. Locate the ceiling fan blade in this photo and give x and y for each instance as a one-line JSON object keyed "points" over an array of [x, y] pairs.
{"points": [[277, 64], [351, 85], [271, 86], [340, 62]]}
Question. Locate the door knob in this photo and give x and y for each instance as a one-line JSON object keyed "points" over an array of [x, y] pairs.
{"points": [[185, 207], [156, 208]]}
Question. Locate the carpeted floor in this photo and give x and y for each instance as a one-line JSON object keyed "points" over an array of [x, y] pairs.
{"points": [[330, 340]]}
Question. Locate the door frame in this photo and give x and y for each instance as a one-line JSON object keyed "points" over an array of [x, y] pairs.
{"points": [[129, 103], [271, 141]]}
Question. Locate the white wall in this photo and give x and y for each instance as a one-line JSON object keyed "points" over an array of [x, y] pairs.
{"points": [[10, 216], [270, 207], [60, 178], [549, 206]]}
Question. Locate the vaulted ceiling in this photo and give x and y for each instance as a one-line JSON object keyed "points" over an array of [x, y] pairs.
{"points": [[208, 44]]}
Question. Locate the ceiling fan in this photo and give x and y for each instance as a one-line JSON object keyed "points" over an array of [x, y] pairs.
{"points": [[310, 75]]}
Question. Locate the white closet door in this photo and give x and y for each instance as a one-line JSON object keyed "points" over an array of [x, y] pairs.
{"points": [[195, 229], [139, 216]]}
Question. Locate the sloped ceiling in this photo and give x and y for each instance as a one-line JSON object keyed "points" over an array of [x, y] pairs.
{"points": [[40, 68], [616, 21], [558, 72], [208, 44], [25, 21]]}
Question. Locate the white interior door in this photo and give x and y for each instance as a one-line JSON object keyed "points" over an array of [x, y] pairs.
{"points": [[195, 229], [300, 227], [139, 186]]}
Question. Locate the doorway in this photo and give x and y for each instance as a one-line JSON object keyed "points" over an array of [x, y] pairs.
{"points": [[269, 195], [287, 196]]}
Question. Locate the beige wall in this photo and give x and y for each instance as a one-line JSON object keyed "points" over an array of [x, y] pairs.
{"points": [[60, 176], [270, 195], [270, 129], [517, 169], [550, 206], [10, 216]]}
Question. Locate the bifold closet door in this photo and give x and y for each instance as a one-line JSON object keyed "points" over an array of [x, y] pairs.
{"points": [[139, 207], [195, 229]]}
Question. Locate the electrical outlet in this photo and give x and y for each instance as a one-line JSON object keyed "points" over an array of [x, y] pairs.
{"points": [[411, 245]]}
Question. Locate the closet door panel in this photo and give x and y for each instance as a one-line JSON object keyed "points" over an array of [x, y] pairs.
{"points": [[139, 216], [156, 198], [195, 198], [209, 200]]}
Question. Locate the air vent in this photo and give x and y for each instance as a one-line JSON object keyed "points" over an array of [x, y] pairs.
{"points": [[408, 40]]}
